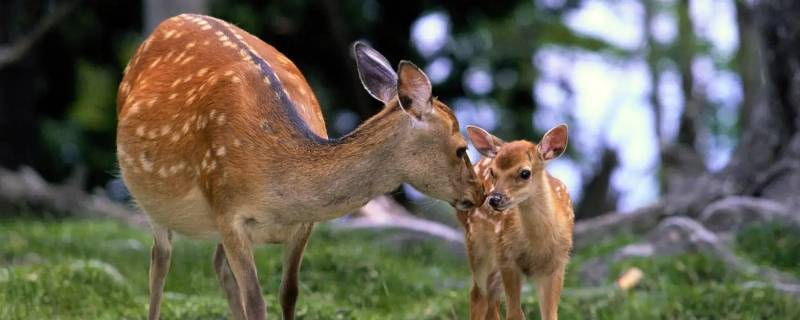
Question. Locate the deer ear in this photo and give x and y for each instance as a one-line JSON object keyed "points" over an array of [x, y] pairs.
{"points": [[484, 142], [375, 72], [553, 143], [413, 89]]}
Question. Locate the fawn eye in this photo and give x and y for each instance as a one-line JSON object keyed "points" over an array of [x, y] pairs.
{"points": [[525, 174], [461, 152]]}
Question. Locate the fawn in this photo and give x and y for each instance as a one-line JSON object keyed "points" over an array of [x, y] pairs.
{"points": [[523, 230], [220, 136]]}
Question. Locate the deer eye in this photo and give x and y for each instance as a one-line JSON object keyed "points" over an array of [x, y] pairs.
{"points": [[461, 152], [525, 174]]}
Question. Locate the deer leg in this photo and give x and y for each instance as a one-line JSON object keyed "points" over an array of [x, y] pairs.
{"points": [[512, 282], [292, 257], [549, 289], [159, 266], [239, 253], [228, 283], [493, 311], [478, 303]]}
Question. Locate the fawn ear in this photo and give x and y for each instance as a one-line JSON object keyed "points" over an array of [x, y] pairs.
{"points": [[375, 72], [484, 142], [553, 143], [414, 89]]}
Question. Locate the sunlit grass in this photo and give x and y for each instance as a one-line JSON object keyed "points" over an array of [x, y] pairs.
{"points": [[78, 269]]}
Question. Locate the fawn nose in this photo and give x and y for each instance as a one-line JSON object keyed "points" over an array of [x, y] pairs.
{"points": [[495, 200]]}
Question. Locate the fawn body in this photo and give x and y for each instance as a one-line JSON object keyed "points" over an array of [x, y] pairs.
{"points": [[523, 230], [219, 136]]}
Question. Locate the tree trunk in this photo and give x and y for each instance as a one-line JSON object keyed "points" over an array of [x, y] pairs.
{"points": [[766, 162]]}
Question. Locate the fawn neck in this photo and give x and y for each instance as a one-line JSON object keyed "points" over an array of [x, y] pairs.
{"points": [[537, 213], [347, 172]]}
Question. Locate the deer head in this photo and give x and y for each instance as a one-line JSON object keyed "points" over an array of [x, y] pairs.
{"points": [[432, 154], [517, 169]]}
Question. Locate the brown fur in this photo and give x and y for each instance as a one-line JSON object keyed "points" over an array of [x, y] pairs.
{"points": [[532, 238], [209, 150]]}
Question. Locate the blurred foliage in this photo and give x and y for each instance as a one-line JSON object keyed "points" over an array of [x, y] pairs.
{"points": [[95, 88], [75, 70], [77, 269]]}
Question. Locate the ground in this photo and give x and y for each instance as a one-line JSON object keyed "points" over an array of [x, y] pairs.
{"points": [[95, 269]]}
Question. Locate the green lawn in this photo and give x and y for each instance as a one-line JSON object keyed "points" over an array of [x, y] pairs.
{"points": [[90, 269]]}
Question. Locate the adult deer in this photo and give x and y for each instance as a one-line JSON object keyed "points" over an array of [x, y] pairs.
{"points": [[523, 230], [220, 136]]}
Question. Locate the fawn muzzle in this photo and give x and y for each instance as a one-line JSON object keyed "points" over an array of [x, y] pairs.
{"points": [[497, 200]]}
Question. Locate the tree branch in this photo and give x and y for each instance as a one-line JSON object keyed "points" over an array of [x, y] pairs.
{"points": [[13, 52]]}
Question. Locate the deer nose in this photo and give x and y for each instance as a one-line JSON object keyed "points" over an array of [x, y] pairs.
{"points": [[495, 200]]}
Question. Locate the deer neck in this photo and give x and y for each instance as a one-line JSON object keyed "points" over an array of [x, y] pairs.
{"points": [[537, 213], [340, 175]]}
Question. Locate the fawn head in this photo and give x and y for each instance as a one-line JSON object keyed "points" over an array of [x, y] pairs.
{"points": [[432, 153], [517, 168]]}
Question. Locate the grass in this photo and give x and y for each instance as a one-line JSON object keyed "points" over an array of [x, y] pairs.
{"points": [[79, 269], [772, 244]]}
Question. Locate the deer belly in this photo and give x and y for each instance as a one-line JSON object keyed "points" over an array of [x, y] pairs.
{"points": [[186, 213]]}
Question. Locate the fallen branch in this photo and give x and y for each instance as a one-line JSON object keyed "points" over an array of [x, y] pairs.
{"points": [[678, 235], [639, 221], [731, 214], [384, 213], [28, 187]]}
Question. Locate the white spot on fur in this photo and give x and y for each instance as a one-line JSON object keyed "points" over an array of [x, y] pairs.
{"points": [[155, 62], [221, 151], [172, 96], [125, 87], [190, 44], [169, 34], [140, 131], [134, 108], [189, 58], [179, 57], [202, 72], [185, 128], [221, 119], [237, 143], [163, 172], [147, 165]]}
